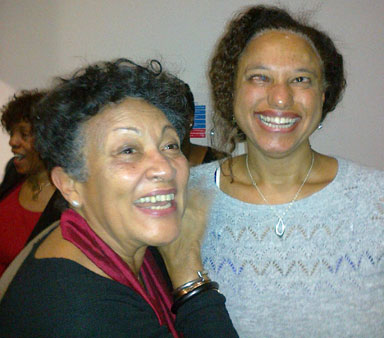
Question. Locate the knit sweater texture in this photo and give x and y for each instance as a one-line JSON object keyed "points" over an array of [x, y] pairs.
{"points": [[323, 278]]}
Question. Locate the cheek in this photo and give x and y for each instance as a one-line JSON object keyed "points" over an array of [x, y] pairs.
{"points": [[311, 100], [247, 96], [29, 145], [125, 181], [125, 173], [34, 157], [183, 172], [105, 194]]}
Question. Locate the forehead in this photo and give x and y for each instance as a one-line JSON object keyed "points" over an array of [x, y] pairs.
{"points": [[130, 113], [280, 47], [131, 109], [22, 125]]}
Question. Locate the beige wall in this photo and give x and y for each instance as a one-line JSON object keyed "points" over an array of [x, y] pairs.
{"points": [[6, 93], [40, 39]]}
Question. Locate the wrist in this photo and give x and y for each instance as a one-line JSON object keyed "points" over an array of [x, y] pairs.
{"points": [[184, 274], [190, 289]]}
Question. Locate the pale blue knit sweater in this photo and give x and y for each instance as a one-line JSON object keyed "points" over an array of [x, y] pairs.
{"points": [[323, 278]]}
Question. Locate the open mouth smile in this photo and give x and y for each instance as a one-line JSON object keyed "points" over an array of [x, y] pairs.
{"points": [[277, 122], [156, 202], [19, 156]]}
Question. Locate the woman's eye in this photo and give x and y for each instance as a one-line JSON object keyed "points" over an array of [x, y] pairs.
{"points": [[259, 78], [172, 146], [302, 79], [128, 151]]}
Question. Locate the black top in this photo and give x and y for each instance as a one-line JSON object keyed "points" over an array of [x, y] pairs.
{"points": [[57, 297], [212, 155]]}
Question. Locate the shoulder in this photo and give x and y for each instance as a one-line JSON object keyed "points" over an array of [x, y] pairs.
{"points": [[204, 172], [351, 170], [60, 301], [360, 183]]}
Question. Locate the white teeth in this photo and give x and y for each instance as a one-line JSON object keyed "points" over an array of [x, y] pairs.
{"points": [[160, 207], [275, 121], [156, 198], [19, 156]]}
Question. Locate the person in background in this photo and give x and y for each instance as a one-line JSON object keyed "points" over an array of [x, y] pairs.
{"points": [[294, 237], [27, 196], [195, 153], [117, 162]]}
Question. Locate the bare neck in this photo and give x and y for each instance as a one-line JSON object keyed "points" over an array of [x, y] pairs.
{"points": [[280, 171], [39, 178]]}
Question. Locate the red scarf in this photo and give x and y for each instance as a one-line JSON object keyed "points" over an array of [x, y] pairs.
{"points": [[76, 230]]}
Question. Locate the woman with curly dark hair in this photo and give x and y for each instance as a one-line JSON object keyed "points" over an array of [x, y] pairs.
{"points": [[294, 237], [27, 198], [110, 135]]}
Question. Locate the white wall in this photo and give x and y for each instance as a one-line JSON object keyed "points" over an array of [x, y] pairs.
{"points": [[6, 93], [40, 39]]}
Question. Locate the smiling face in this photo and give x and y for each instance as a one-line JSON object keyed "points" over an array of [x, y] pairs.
{"points": [[26, 160], [136, 188], [278, 92]]}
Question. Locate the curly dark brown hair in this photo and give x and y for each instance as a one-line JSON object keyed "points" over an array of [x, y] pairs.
{"points": [[19, 108], [239, 32]]}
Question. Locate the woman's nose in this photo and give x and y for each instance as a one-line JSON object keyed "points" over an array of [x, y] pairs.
{"points": [[14, 140], [280, 96], [160, 167]]}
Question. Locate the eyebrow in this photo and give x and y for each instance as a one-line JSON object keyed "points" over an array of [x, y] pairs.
{"points": [[306, 70], [168, 126], [256, 67], [135, 130], [24, 129], [298, 70]]}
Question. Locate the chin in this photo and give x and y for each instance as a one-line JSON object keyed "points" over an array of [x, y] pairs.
{"points": [[162, 238], [278, 151], [22, 171]]}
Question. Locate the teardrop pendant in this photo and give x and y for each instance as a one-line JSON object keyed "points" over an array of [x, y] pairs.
{"points": [[280, 228]]}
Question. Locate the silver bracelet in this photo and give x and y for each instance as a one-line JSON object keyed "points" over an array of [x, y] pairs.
{"points": [[187, 285]]}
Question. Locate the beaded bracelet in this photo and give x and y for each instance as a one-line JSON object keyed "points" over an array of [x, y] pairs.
{"points": [[207, 285]]}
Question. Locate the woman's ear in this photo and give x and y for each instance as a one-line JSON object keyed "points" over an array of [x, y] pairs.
{"points": [[67, 186]]}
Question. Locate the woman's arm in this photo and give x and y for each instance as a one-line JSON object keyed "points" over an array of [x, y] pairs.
{"points": [[204, 314]]}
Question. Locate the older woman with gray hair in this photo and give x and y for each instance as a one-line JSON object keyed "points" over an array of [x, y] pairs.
{"points": [[110, 135]]}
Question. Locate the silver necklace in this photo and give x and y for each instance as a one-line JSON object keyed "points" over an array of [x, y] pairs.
{"points": [[280, 225], [39, 189]]}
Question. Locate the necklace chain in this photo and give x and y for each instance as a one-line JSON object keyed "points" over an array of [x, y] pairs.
{"points": [[280, 226], [39, 189]]}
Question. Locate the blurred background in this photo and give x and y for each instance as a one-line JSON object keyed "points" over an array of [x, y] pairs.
{"points": [[42, 39]]}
